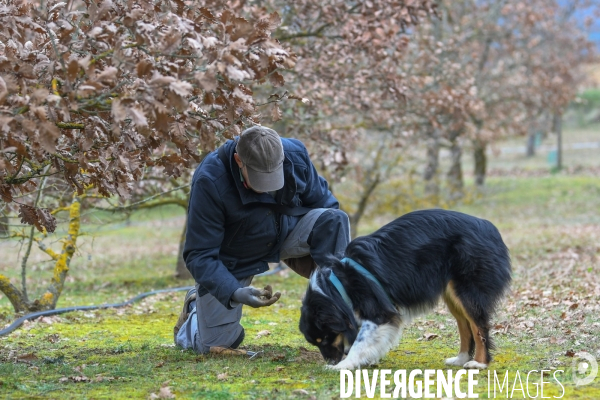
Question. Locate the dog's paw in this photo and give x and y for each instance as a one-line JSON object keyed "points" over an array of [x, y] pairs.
{"points": [[458, 361], [341, 365], [474, 365]]}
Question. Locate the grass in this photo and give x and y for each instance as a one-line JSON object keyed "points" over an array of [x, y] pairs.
{"points": [[550, 222]]}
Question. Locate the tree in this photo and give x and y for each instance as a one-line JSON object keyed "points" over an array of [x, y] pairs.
{"points": [[94, 93], [477, 73], [19, 297], [347, 58], [98, 93], [487, 70]]}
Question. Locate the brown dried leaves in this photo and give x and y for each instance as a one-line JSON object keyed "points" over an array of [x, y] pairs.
{"points": [[139, 85], [38, 217]]}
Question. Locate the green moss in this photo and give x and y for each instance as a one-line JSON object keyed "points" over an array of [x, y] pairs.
{"points": [[128, 353], [130, 356]]}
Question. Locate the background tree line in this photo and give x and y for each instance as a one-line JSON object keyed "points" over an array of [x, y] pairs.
{"points": [[110, 105]]}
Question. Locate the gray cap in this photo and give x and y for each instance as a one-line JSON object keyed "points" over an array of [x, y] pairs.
{"points": [[261, 151]]}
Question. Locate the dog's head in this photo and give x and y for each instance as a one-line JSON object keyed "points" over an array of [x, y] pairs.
{"points": [[326, 321]]}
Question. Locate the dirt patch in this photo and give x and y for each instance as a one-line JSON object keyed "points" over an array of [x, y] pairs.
{"points": [[289, 354]]}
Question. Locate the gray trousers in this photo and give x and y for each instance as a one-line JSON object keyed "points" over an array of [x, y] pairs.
{"points": [[212, 324]]}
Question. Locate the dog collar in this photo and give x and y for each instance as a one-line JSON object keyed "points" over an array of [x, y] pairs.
{"points": [[363, 271], [340, 288]]}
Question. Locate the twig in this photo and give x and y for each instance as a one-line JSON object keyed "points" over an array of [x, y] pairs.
{"points": [[28, 251], [70, 125], [134, 205], [24, 265]]}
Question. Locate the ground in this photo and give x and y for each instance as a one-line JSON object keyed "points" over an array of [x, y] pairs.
{"points": [[549, 221]]}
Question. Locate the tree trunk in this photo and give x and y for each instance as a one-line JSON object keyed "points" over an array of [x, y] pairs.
{"points": [[62, 261], [455, 176], [14, 295], [480, 162], [531, 143], [557, 128], [353, 219], [432, 186], [4, 231], [362, 203], [181, 271]]}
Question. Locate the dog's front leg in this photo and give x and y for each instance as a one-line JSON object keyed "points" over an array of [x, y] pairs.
{"points": [[372, 343]]}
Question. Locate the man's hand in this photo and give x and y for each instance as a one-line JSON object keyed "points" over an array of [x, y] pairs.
{"points": [[254, 297]]}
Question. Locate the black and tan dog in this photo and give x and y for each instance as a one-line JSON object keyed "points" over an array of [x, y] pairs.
{"points": [[400, 271]]}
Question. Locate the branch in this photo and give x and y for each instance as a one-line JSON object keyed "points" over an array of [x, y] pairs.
{"points": [[34, 173], [111, 51], [24, 264], [70, 125], [47, 250], [371, 184], [317, 33], [61, 267], [59, 209], [180, 202], [31, 236], [134, 206], [13, 294], [65, 159]]}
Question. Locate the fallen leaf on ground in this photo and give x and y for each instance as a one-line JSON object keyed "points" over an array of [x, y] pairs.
{"points": [[53, 338], [50, 320], [100, 378], [262, 333], [27, 357], [163, 393], [74, 379]]}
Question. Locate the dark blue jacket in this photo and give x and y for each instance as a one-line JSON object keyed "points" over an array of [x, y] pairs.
{"points": [[232, 233]]}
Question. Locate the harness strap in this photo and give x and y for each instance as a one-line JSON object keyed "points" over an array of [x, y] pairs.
{"points": [[363, 271], [340, 288]]}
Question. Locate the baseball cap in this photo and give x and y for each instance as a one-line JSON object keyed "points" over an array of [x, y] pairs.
{"points": [[261, 151]]}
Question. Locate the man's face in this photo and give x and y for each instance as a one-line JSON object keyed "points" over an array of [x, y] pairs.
{"points": [[240, 164]]}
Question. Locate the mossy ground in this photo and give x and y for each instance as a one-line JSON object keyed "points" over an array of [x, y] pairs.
{"points": [[551, 224]]}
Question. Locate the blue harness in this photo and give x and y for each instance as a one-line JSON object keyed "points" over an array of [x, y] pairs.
{"points": [[340, 288]]}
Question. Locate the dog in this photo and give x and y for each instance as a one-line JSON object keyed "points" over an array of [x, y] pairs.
{"points": [[400, 271]]}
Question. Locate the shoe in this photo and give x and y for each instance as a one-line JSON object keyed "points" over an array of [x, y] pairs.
{"points": [[185, 312]]}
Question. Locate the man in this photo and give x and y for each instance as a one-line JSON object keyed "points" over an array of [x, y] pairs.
{"points": [[255, 200]]}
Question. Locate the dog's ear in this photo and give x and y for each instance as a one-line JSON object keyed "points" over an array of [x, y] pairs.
{"points": [[328, 318], [325, 312], [331, 317]]}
